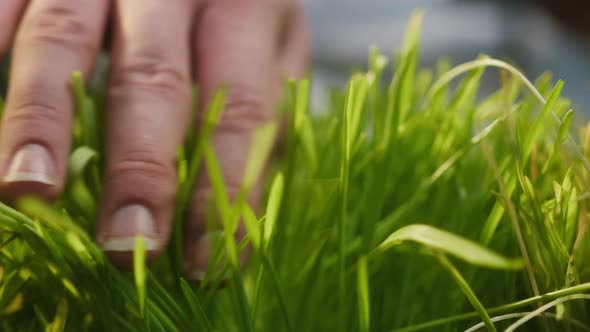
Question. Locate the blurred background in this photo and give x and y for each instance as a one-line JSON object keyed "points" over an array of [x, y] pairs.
{"points": [[533, 35]]}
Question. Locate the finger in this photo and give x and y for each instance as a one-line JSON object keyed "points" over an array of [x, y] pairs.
{"points": [[235, 46], [148, 110], [55, 38], [293, 60], [294, 53], [10, 12]]}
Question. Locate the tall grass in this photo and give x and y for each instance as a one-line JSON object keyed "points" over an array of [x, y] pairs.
{"points": [[410, 206]]}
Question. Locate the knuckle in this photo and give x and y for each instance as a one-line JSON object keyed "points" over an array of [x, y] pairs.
{"points": [[152, 75], [142, 176], [62, 26], [241, 5], [145, 165], [202, 194], [37, 122], [245, 109], [35, 114], [203, 207]]}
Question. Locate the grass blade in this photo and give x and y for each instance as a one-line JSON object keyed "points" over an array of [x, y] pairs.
{"points": [[543, 308], [195, 307], [564, 127], [363, 295], [537, 125], [252, 226], [466, 289], [277, 283], [139, 272], [454, 245], [579, 289], [263, 140], [272, 208]]}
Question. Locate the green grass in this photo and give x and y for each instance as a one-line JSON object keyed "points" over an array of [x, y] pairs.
{"points": [[417, 205]]}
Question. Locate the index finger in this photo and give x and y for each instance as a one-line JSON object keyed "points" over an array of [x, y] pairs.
{"points": [[56, 37]]}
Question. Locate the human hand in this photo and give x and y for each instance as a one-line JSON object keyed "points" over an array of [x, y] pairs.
{"points": [[158, 50]]}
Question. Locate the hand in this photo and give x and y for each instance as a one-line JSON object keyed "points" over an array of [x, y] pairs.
{"points": [[158, 49]]}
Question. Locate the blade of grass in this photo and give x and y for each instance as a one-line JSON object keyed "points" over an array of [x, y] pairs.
{"points": [[363, 295], [465, 67], [59, 321], [257, 291], [513, 218], [80, 159], [400, 92], [578, 289], [564, 127], [229, 219], [577, 323], [302, 124], [459, 247], [195, 306], [543, 308], [277, 283], [272, 209], [263, 140], [537, 125], [139, 272], [86, 112], [344, 179], [466, 289], [252, 226], [209, 122]]}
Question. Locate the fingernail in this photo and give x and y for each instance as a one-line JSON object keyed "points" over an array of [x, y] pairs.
{"points": [[204, 250], [126, 223], [32, 163]]}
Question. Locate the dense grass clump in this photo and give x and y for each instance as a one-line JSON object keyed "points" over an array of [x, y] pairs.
{"points": [[411, 206]]}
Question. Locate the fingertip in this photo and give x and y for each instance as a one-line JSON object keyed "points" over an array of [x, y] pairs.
{"points": [[30, 170], [200, 252], [125, 223], [206, 256], [118, 232], [31, 163]]}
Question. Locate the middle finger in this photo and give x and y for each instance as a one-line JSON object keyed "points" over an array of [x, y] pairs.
{"points": [[148, 112]]}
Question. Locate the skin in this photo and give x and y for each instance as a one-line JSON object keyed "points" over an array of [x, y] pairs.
{"points": [[157, 51]]}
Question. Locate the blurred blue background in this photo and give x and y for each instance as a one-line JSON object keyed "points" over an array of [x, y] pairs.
{"points": [[525, 33]]}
